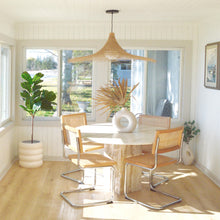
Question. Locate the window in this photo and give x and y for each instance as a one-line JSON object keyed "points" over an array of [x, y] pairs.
{"points": [[158, 90], [5, 84], [72, 83], [157, 94], [76, 83], [46, 62]]}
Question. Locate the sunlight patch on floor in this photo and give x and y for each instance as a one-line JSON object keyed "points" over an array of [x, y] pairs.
{"points": [[131, 211]]}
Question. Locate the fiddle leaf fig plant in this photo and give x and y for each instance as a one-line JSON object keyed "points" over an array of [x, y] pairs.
{"points": [[34, 97], [190, 131]]}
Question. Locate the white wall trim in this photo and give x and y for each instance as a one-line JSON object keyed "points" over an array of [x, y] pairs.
{"points": [[208, 173]]}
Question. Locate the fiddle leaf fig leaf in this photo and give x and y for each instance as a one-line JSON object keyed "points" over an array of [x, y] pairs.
{"points": [[36, 87], [26, 76], [26, 85], [25, 94], [37, 77]]}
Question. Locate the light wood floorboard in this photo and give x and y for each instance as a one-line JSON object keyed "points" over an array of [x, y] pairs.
{"points": [[34, 194]]}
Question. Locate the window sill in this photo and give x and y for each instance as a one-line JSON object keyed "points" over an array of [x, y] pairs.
{"points": [[6, 127]]}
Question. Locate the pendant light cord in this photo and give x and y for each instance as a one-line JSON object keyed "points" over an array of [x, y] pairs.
{"points": [[112, 23], [112, 11]]}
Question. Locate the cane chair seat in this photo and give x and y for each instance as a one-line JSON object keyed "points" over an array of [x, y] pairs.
{"points": [[92, 160], [148, 160]]}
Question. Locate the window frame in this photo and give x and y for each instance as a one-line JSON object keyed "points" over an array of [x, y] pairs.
{"points": [[101, 72], [146, 49], [9, 118], [90, 117]]}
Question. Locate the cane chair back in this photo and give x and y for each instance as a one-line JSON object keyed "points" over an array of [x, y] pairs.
{"points": [[73, 120], [167, 140], [155, 121], [76, 120], [73, 139]]}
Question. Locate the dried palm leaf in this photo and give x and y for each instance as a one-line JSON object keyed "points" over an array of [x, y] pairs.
{"points": [[113, 95]]}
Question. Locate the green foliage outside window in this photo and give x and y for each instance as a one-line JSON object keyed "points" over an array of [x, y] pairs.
{"points": [[46, 63]]}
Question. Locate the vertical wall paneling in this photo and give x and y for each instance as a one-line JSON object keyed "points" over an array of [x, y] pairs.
{"points": [[49, 135], [8, 151], [125, 31]]}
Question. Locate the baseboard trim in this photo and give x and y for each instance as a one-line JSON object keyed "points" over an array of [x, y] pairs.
{"points": [[208, 173], [5, 171]]}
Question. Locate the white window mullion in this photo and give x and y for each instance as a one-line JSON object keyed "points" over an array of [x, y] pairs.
{"points": [[5, 84], [59, 84], [137, 76]]}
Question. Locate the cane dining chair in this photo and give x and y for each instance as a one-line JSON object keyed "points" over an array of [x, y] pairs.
{"points": [[75, 120], [85, 161], [165, 141]]}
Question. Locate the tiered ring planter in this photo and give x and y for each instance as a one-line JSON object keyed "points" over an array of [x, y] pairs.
{"points": [[30, 154]]}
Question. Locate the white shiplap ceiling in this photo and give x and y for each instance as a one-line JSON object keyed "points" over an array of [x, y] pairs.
{"points": [[23, 11]]}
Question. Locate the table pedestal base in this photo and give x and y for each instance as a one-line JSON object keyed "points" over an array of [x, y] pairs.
{"points": [[119, 153]]}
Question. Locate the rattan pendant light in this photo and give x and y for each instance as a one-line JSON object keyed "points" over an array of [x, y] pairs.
{"points": [[111, 50]]}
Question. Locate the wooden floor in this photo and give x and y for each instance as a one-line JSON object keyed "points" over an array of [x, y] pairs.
{"points": [[35, 194]]}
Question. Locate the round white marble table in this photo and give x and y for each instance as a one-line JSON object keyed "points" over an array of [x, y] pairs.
{"points": [[119, 146]]}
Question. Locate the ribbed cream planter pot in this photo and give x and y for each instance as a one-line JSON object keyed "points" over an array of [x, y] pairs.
{"points": [[30, 154], [127, 115], [187, 154]]}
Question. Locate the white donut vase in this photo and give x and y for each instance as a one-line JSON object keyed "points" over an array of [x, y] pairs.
{"points": [[128, 116]]}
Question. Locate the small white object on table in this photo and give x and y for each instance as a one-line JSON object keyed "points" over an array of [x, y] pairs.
{"points": [[119, 146]]}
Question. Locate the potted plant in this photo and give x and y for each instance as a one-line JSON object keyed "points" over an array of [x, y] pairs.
{"points": [[35, 99], [190, 131], [113, 97]]}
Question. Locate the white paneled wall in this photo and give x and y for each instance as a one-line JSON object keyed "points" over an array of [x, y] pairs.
{"points": [[207, 107], [8, 150], [49, 135], [125, 31]]}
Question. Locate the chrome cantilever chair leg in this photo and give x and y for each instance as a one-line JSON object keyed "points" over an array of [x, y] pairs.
{"points": [[164, 178], [152, 188], [107, 201], [64, 175]]}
